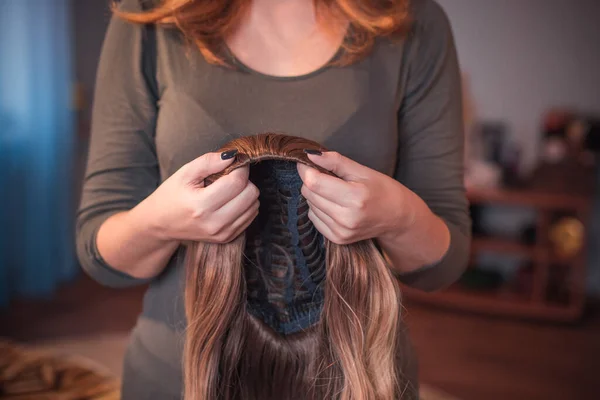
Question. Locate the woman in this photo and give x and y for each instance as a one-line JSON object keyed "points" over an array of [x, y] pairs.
{"points": [[378, 83]]}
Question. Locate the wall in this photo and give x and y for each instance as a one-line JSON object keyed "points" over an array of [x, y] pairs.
{"points": [[90, 22], [525, 56]]}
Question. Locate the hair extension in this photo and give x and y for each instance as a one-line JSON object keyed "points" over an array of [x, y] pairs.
{"points": [[207, 23], [350, 353]]}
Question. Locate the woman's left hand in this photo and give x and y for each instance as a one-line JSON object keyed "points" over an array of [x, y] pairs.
{"points": [[361, 204]]}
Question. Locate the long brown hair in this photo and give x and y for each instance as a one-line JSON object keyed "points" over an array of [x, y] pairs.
{"points": [[208, 23], [351, 353]]}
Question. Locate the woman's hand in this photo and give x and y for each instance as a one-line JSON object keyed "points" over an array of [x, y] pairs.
{"points": [[183, 209], [363, 204], [140, 242]]}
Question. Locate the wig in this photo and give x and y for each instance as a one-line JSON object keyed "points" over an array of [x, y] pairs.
{"points": [[280, 312]]}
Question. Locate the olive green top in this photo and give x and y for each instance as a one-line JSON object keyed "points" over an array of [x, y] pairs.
{"points": [[159, 104]]}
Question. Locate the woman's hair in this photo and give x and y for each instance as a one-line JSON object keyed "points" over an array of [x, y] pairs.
{"points": [[351, 352], [208, 22]]}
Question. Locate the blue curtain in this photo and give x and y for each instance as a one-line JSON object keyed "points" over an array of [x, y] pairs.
{"points": [[36, 148]]}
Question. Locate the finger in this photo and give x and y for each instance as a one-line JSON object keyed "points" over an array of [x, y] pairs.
{"points": [[323, 228], [323, 216], [198, 169], [241, 223], [328, 207], [345, 168], [326, 186], [224, 189], [340, 232], [231, 210]]}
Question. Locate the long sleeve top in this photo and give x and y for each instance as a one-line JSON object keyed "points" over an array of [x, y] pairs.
{"points": [[158, 105]]}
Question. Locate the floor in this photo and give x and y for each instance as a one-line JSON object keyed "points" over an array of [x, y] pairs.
{"points": [[469, 356]]}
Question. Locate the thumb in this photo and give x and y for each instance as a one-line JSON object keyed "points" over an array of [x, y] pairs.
{"points": [[343, 167], [210, 163]]}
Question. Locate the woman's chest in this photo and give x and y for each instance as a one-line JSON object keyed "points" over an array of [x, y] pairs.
{"points": [[351, 110]]}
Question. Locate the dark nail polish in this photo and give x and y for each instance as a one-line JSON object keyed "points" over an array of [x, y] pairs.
{"points": [[226, 155], [314, 152]]}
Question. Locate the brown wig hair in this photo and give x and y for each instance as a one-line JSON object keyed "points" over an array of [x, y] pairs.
{"points": [[208, 23], [351, 353]]}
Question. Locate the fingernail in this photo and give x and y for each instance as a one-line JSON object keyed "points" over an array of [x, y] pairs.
{"points": [[226, 155], [314, 152]]}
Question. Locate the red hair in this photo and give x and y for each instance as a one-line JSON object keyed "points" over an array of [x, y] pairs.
{"points": [[207, 23]]}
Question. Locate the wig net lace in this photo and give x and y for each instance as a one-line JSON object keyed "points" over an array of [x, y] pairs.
{"points": [[284, 259]]}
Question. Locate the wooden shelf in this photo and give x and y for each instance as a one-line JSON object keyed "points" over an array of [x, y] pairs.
{"points": [[496, 303], [549, 201], [499, 245], [534, 198]]}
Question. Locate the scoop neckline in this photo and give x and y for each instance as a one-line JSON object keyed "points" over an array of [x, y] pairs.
{"points": [[243, 67]]}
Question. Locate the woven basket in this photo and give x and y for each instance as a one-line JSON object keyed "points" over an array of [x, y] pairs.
{"points": [[28, 374]]}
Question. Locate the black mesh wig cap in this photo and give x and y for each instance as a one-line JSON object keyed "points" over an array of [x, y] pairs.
{"points": [[284, 256]]}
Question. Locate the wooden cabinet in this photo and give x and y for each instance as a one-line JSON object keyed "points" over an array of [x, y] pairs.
{"points": [[553, 286]]}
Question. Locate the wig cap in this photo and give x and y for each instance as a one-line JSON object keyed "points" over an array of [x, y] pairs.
{"points": [[284, 256]]}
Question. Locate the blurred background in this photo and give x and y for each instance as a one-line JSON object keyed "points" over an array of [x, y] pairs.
{"points": [[522, 323]]}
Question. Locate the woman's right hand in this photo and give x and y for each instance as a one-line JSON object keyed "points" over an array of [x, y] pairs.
{"points": [[140, 242], [183, 209]]}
